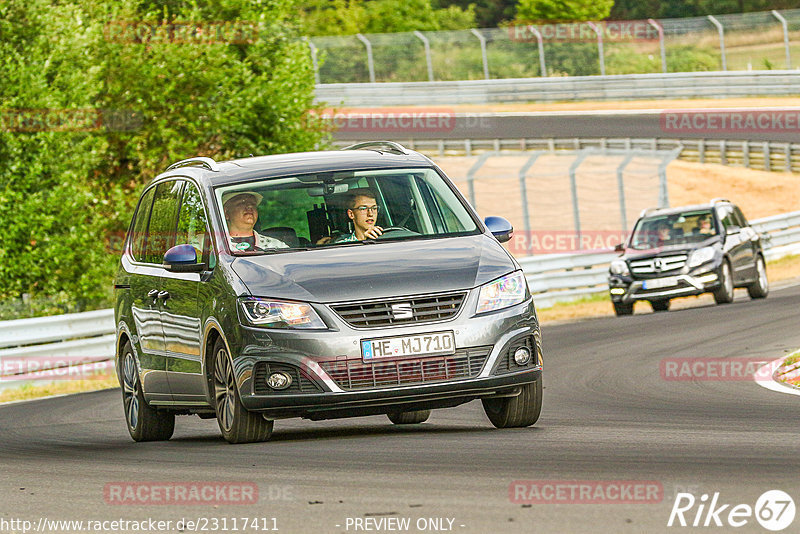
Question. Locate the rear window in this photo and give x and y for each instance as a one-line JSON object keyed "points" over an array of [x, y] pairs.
{"points": [[339, 209]]}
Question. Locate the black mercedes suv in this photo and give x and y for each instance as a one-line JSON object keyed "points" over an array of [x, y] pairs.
{"points": [[676, 252]]}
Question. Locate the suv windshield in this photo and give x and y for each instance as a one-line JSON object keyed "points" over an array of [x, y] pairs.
{"points": [[334, 209], [674, 229]]}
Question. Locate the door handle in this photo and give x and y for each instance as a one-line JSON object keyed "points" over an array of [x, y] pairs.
{"points": [[163, 295]]}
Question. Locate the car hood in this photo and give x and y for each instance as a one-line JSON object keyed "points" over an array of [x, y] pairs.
{"points": [[633, 254], [387, 269]]}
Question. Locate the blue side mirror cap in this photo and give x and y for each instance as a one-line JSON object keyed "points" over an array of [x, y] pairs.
{"points": [[500, 228], [182, 258]]}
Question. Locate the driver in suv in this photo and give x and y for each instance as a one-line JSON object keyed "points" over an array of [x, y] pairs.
{"points": [[707, 248]]}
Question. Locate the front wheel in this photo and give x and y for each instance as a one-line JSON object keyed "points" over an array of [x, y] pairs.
{"points": [[144, 422], [409, 418], [724, 293], [236, 423], [520, 411], [760, 288], [622, 308]]}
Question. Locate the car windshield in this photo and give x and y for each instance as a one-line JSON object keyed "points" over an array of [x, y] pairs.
{"points": [[341, 208], [674, 229]]}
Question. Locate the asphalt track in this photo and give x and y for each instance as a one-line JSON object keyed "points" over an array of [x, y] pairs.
{"points": [[608, 415], [766, 124]]}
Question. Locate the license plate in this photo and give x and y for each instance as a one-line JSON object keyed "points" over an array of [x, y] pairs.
{"points": [[403, 346], [658, 283]]}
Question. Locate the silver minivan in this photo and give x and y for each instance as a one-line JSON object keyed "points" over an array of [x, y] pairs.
{"points": [[319, 285]]}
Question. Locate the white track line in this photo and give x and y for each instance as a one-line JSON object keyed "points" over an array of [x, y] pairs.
{"points": [[772, 384]]}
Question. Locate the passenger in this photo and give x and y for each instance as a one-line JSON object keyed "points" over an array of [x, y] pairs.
{"points": [[704, 226], [363, 211], [663, 233], [241, 212]]}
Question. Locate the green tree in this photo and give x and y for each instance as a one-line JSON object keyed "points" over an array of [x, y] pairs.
{"points": [[563, 10]]}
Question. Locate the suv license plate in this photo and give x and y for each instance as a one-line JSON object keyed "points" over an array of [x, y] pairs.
{"points": [[658, 283], [404, 346]]}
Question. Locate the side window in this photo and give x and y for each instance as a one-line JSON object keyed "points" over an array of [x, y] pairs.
{"points": [[139, 228], [161, 232], [192, 221], [741, 219], [726, 216]]}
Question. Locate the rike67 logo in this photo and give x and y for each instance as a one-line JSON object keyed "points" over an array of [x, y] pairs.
{"points": [[774, 510]]}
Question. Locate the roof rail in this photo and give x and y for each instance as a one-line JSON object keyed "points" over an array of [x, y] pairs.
{"points": [[715, 200], [389, 146], [648, 211], [208, 163]]}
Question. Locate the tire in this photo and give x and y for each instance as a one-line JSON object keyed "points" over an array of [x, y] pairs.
{"points": [[144, 422], [622, 309], [660, 305], [760, 288], [724, 293], [236, 423], [409, 418], [520, 411]]}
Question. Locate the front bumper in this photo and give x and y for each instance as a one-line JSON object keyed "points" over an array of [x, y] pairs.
{"points": [[626, 289], [329, 371]]}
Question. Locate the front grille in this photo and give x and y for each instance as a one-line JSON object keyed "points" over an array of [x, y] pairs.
{"points": [[398, 311], [355, 374], [658, 265], [300, 382]]}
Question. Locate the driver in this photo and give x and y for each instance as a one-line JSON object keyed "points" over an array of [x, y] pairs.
{"points": [[363, 211]]}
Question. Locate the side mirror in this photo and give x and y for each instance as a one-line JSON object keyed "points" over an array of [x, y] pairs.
{"points": [[501, 229], [732, 230], [182, 259], [619, 247]]}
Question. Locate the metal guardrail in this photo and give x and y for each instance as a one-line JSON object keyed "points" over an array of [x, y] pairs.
{"points": [[90, 336], [762, 155], [616, 87]]}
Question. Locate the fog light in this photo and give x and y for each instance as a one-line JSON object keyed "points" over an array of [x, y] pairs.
{"points": [[522, 356], [617, 291], [279, 381]]}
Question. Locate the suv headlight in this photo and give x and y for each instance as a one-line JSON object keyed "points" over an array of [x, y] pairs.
{"points": [[279, 313], [701, 256], [506, 291], [619, 267]]}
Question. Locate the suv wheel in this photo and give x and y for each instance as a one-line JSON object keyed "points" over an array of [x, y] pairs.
{"points": [[724, 293], [660, 305], [409, 418], [236, 423], [760, 288], [520, 411], [144, 422], [621, 308]]}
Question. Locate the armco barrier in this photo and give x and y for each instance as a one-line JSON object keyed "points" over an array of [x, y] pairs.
{"points": [[552, 278], [616, 87]]}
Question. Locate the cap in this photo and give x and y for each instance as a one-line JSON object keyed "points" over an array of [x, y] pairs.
{"points": [[231, 194]]}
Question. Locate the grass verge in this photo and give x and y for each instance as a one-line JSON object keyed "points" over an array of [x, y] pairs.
{"points": [[62, 387]]}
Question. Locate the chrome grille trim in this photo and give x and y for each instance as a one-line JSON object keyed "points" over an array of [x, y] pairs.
{"points": [[378, 313], [668, 263]]}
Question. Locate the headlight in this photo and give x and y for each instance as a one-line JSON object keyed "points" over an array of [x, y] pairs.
{"points": [[700, 256], [503, 292], [619, 267], [279, 313]]}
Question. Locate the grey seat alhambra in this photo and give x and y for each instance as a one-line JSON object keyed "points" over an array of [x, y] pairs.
{"points": [[319, 285]]}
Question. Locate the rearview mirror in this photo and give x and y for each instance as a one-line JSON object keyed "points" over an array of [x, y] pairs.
{"points": [[732, 230], [501, 229], [182, 259]]}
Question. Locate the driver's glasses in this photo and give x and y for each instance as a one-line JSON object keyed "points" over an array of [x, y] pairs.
{"points": [[364, 209]]}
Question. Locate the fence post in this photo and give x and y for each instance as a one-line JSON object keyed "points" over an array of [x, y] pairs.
{"points": [[746, 153], [767, 157], [471, 175], [723, 152], [660, 31], [314, 62], [785, 37], [788, 157], [523, 190], [370, 62], [701, 150], [721, 31], [621, 190], [482, 39], [428, 60], [593, 26], [573, 184], [539, 41]]}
